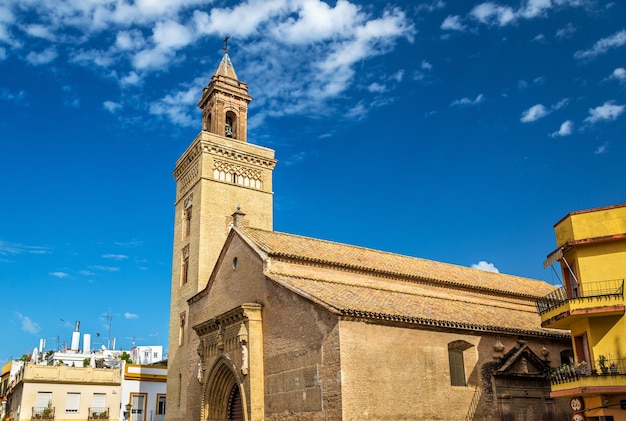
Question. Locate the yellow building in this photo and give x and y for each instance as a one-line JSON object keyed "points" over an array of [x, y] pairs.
{"points": [[45, 392], [591, 249]]}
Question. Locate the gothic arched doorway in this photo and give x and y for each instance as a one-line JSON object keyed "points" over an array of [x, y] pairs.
{"points": [[223, 398]]}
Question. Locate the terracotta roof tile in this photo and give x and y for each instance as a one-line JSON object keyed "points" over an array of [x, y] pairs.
{"points": [[281, 245]]}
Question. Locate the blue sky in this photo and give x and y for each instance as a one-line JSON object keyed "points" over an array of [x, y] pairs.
{"points": [[457, 131]]}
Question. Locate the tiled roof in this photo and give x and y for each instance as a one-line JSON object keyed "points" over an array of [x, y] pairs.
{"points": [[369, 284], [312, 250]]}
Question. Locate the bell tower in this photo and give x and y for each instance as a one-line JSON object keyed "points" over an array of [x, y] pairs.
{"points": [[224, 103], [218, 173]]}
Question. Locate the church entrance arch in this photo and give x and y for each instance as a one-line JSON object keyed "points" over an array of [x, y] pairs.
{"points": [[223, 397]]}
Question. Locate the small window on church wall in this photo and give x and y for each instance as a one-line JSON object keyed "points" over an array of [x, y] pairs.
{"points": [[457, 367], [184, 270], [181, 329], [456, 359], [187, 220]]}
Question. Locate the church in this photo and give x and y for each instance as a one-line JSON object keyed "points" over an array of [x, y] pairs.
{"points": [[267, 325]]}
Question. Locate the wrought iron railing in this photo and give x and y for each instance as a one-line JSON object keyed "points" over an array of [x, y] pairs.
{"points": [[584, 290], [96, 413], [573, 372], [43, 413]]}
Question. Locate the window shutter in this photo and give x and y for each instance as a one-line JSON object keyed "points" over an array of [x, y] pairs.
{"points": [[73, 402]]}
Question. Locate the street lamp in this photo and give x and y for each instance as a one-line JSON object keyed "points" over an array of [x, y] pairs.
{"points": [[127, 412]]}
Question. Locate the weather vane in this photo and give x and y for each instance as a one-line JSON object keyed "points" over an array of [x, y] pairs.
{"points": [[225, 47]]}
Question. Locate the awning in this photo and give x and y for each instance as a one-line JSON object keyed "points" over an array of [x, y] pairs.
{"points": [[553, 257]]}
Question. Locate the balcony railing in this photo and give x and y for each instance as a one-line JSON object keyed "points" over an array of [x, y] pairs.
{"points": [[43, 413], [585, 290], [96, 413], [573, 372]]}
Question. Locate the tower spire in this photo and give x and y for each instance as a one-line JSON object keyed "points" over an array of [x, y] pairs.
{"points": [[224, 101]]}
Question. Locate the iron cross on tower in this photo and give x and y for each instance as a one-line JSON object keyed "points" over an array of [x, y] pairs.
{"points": [[225, 47]]}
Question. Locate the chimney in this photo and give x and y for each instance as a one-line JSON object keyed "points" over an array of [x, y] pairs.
{"points": [[238, 218]]}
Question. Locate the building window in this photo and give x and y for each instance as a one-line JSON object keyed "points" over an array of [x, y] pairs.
{"points": [[457, 367], [161, 405], [43, 402], [187, 214], [456, 359], [184, 270], [138, 402], [181, 329], [98, 404], [72, 403]]}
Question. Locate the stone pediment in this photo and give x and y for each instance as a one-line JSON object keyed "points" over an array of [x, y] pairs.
{"points": [[522, 361]]}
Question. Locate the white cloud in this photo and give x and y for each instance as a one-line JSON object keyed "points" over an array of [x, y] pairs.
{"points": [[7, 249], [317, 20], [483, 265], [539, 38], [105, 268], [115, 256], [604, 148], [467, 101], [131, 78], [130, 316], [534, 113], [59, 274], [493, 14], [129, 40], [177, 106], [619, 74], [562, 103], [453, 23], [535, 8], [603, 45], [43, 57], [566, 32], [606, 112], [376, 87], [27, 324], [566, 129], [111, 106], [39, 31]]}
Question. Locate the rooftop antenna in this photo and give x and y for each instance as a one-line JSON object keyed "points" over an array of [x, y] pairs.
{"points": [[110, 318], [225, 47]]}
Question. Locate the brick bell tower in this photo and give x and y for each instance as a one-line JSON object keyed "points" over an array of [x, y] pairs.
{"points": [[218, 173]]}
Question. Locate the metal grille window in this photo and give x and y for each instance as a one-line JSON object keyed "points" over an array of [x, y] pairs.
{"points": [[72, 403]]}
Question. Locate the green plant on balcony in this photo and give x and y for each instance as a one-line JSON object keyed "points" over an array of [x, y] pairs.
{"points": [[602, 364], [48, 412], [104, 415]]}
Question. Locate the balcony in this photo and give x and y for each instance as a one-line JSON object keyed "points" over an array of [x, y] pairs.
{"points": [[560, 309], [98, 413], [575, 379], [43, 413]]}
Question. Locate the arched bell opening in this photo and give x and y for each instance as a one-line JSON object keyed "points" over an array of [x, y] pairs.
{"points": [[207, 122], [230, 129]]}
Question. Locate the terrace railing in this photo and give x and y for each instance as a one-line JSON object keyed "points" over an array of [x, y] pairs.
{"points": [[584, 290]]}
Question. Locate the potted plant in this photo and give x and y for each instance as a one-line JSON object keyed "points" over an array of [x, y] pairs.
{"points": [[602, 364], [613, 368]]}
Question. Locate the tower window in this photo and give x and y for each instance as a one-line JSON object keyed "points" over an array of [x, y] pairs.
{"points": [[228, 132], [230, 129], [184, 270], [181, 328], [187, 221]]}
